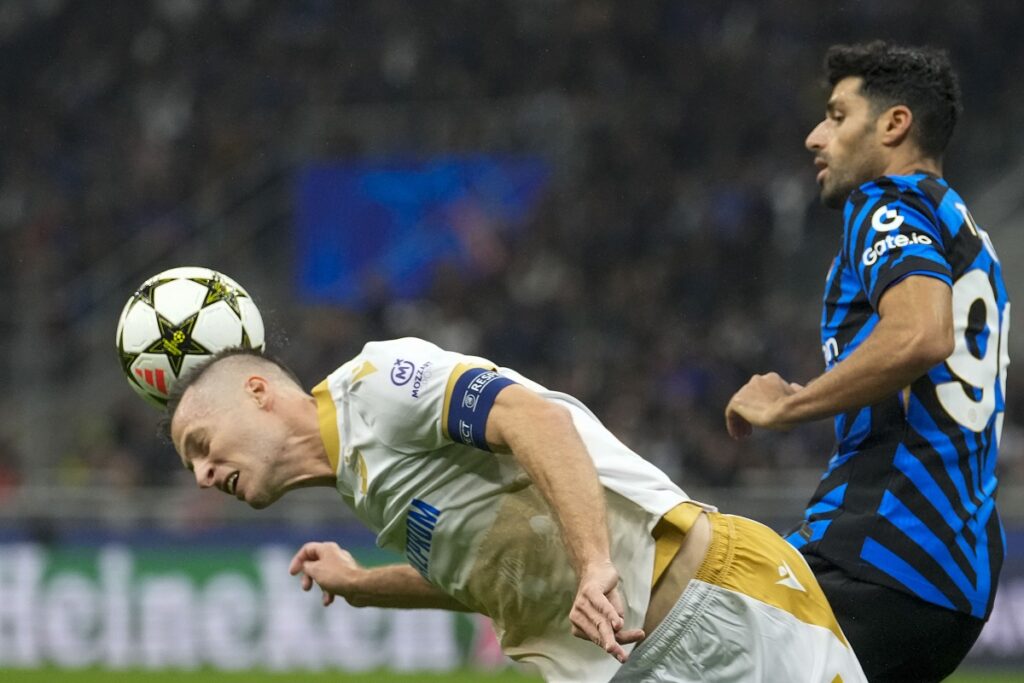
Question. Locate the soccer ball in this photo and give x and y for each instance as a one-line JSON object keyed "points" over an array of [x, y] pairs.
{"points": [[177, 319]]}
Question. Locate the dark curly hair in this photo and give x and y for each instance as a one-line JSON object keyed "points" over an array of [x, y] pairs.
{"points": [[182, 384], [921, 78]]}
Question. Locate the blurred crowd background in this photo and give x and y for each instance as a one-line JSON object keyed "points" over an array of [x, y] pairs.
{"points": [[677, 249]]}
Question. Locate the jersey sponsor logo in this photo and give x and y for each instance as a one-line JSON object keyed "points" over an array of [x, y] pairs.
{"points": [[401, 372], [420, 521], [420, 376], [886, 219], [890, 243], [788, 579]]}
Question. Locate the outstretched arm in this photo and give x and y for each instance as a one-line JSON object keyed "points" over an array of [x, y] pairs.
{"points": [[337, 573], [544, 441]]}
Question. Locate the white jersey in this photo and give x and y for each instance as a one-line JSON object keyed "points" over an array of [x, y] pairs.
{"points": [[403, 423]]}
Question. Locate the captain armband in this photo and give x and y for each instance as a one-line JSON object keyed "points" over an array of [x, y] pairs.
{"points": [[472, 398]]}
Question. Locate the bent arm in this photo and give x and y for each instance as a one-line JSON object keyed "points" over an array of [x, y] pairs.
{"points": [[544, 441], [337, 573], [400, 585], [914, 333]]}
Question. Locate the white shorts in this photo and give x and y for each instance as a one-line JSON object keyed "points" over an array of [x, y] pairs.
{"points": [[754, 612]]}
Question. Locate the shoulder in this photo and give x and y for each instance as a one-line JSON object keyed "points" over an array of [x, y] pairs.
{"points": [[394, 348], [919, 190], [393, 361], [886, 203]]}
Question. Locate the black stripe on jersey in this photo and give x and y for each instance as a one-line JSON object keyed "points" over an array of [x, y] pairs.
{"points": [[985, 443], [858, 200], [859, 311], [900, 271], [969, 536], [887, 186], [918, 203], [925, 392], [867, 473], [835, 290], [859, 306], [962, 250], [893, 538], [911, 496], [924, 451], [835, 275], [834, 480], [934, 190], [994, 531], [849, 419]]}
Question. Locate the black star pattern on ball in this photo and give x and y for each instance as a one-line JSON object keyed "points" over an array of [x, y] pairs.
{"points": [[176, 341], [145, 293], [126, 362], [218, 290]]}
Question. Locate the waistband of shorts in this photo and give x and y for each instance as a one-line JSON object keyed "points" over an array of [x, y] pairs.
{"points": [[695, 597], [683, 616], [670, 532], [718, 559]]}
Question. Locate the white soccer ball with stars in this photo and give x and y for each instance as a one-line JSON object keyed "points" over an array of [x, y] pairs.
{"points": [[177, 319]]}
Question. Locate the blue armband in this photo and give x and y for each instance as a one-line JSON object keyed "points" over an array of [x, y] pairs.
{"points": [[472, 398]]}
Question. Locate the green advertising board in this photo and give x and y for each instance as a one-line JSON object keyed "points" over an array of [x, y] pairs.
{"points": [[116, 606]]}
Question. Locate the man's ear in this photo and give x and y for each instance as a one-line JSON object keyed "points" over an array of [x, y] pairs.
{"points": [[258, 390], [895, 123]]}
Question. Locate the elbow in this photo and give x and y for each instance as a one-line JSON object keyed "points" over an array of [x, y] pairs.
{"points": [[564, 416], [544, 419], [930, 348], [554, 416]]}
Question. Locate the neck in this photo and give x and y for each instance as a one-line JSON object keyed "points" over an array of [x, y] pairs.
{"points": [[909, 163], [305, 449]]}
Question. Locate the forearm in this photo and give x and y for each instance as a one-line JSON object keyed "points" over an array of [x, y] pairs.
{"points": [[884, 364], [544, 441], [546, 444], [398, 585]]}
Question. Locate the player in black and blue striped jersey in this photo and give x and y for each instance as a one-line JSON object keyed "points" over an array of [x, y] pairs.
{"points": [[902, 532]]}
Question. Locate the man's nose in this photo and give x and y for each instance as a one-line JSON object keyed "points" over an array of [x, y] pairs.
{"points": [[204, 476], [816, 138]]}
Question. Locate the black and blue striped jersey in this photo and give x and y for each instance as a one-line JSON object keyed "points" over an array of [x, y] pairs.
{"points": [[909, 497]]}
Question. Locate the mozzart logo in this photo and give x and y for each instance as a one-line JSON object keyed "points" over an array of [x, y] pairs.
{"points": [[402, 371], [421, 377], [891, 242]]}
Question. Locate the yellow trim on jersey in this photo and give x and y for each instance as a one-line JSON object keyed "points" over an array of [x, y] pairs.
{"points": [[669, 533], [328, 417], [456, 372], [367, 368], [751, 559]]}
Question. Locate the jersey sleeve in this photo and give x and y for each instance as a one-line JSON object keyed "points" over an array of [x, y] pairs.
{"points": [[891, 237], [418, 397]]}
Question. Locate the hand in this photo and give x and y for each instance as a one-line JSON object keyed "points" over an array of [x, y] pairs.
{"points": [[597, 613], [328, 566], [759, 404]]}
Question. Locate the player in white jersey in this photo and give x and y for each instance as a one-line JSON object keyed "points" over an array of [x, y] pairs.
{"points": [[513, 501]]}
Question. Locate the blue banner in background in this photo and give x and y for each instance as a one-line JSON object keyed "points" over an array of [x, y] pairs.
{"points": [[366, 225]]}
